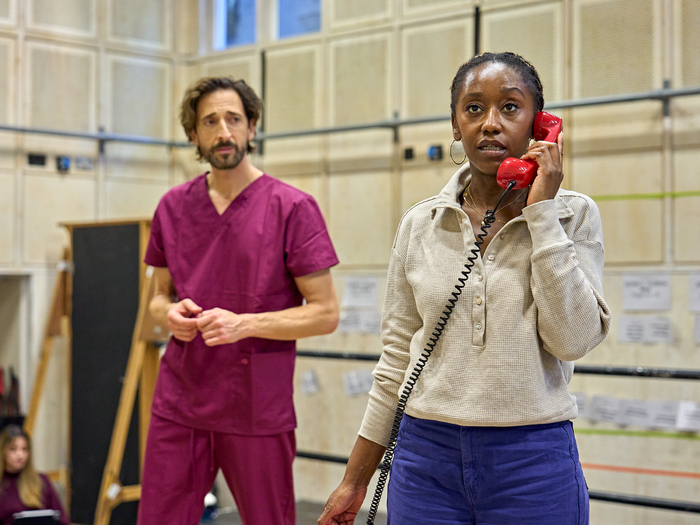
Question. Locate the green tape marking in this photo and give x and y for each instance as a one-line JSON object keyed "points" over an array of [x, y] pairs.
{"points": [[637, 433], [641, 196]]}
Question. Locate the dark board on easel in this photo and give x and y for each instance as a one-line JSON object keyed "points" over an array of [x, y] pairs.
{"points": [[105, 305]]}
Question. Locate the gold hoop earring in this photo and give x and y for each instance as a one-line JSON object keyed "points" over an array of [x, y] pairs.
{"points": [[453, 159]]}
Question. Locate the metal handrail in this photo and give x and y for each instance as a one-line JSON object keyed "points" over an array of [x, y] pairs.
{"points": [[663, 95], [627, 371]]}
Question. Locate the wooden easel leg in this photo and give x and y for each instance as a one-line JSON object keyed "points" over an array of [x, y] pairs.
{"points": [[109, 497], [149, 374]]}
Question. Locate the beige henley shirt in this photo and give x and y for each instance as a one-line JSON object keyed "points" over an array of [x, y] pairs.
{"points": [[532, 305]]}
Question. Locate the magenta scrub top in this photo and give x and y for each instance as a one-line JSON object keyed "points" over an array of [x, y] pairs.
{"points": [[244, 261]]}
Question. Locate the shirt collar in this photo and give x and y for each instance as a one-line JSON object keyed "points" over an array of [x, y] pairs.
{"points": [[449, 196]]}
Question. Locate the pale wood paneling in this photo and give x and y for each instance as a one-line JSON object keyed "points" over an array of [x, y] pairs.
{"points": [[686, 210], [346, 12], [688, 22], [8, 217], [360, 80], [7, 12], [61, 87], [72, 17], [293, 97], [431, 56], [366, 150], [421, 183], [139, 96], [633, 229], [360, 220], [127, 200], [8, 150], [47, 201], [245, 67], [134, 161], [614, 128], [503, 31], [608, 60], [293, 156], [7, 72], [140, 22]]}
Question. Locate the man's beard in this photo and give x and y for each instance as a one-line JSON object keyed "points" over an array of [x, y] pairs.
{"points": [[228, 162]]}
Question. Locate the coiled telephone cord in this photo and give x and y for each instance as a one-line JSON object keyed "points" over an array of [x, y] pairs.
{"points": [[489, 219]]}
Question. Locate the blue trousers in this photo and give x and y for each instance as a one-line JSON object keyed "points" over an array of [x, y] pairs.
{"points": [[445, 474]]}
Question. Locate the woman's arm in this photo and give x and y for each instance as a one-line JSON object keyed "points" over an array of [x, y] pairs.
{"points": [[572, 315], [345, 501]]}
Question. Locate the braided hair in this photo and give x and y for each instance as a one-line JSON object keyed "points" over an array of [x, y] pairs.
{"points": [[526, 69]]}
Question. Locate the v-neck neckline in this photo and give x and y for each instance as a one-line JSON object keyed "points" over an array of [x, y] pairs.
{"points": [[236, 202]]}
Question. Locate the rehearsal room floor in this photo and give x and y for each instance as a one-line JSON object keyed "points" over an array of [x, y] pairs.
{"points": [[307, 514]]}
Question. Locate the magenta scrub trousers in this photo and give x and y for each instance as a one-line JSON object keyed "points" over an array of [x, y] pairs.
{"points": [[181, 464], [446, 474]]}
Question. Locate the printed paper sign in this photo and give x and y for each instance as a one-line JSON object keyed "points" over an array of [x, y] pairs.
{"points": [[646, 292], [694, 293], [634, 413], [360, 321], [361, 292], [309, 383], [647, 329], [357, 382], [659, 329], [663, 413], [631, 329], [604, 408], [349, 321], [688, 416], [582, 403]]}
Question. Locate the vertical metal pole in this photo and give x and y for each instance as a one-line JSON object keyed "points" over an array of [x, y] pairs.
{"points": [[263, 90], [477, 30]]}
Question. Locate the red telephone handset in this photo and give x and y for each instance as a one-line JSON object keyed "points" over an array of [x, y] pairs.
{"points": [[547, 128]]}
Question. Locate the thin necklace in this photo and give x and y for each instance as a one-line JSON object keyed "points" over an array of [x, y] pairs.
{"points": [[467, 191]]}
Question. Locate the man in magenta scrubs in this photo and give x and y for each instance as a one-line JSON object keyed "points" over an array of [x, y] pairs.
{"points": [[242, 264]]}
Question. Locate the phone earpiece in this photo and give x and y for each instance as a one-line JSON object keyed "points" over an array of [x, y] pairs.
{"points": [[546, 128]]}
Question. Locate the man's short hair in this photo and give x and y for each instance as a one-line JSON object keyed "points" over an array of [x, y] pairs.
{"points": [[188, 110]]}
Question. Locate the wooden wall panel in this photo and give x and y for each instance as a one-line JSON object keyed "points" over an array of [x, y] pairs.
{"points": [[686, 210], [431, 56], [8, 218], [608, 60], [246, 67], [135, 161], [293, 95], [140, 22], [49, 200], [633, 229], [7, 12], [139, 96], [128, 200], [430, 6], [293, 156], [7, 71], [360, 218], [345, 12], [61, 87], [418, 184], [503, 32], [688, 21], [360, 80], [72, 17]]}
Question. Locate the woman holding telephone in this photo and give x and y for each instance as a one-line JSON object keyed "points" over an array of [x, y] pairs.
{"points": [[486, 436]]}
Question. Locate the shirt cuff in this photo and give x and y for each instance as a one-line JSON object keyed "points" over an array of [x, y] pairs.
{"points": [[543, 222]]}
